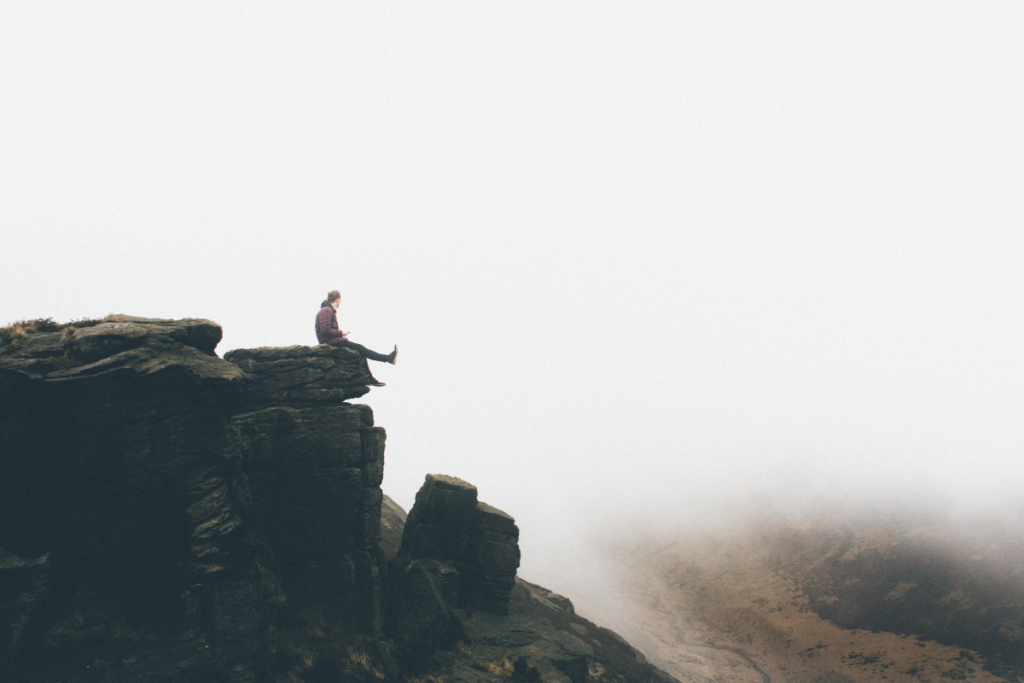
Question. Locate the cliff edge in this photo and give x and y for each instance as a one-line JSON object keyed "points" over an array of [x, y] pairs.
{"points": [[168, 515]]}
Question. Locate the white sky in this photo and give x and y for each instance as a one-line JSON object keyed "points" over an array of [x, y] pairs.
{"points": [[633, 254]]}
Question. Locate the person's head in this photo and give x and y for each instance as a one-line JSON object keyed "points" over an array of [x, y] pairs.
{"points": [[334, 298]]}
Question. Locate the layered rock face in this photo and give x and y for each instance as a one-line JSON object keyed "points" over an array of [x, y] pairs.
{"points": [[169, 515]]}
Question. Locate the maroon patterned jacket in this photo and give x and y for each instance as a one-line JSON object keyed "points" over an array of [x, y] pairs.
{"points": [[327, 331]]}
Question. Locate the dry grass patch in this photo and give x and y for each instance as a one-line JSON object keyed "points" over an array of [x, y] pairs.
{"points": [[17, 331], [14, 336], [502, 667], [41, 325], [432, 678]]}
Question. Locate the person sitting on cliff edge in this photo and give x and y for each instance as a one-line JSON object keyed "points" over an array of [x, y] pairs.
{"points": [[328, 332]]}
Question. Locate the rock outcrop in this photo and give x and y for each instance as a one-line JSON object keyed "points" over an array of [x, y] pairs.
{"points": [[480, 543], [170, 516], [457, 554], [538, 636]]}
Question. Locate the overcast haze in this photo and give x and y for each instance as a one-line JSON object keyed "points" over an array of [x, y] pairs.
{"points": [[635, 255]]}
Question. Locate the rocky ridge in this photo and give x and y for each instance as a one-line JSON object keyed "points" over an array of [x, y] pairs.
{"points": [[168, 515]]}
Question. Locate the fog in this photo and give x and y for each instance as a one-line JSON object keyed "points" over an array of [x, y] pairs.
{"points": [[646, 264]]}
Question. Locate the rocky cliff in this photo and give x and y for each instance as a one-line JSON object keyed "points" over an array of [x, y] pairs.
{"points": [[168, 515]]}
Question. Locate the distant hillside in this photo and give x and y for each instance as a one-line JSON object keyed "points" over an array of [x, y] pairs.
{"points": [[893, 599], [957, 585]]}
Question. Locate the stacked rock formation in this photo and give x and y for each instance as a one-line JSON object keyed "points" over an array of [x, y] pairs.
{"points": [[457, 554], [169, 515], [449, 525]]}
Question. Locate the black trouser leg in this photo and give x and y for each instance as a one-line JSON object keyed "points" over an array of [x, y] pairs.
{"points": [[367, 353]]}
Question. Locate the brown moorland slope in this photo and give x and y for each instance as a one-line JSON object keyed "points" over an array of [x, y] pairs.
{"points": [[831, 602]]}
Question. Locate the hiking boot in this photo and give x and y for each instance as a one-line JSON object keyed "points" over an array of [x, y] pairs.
{"points": [[393, 356]]}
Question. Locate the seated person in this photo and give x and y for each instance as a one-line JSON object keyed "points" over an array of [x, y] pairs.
{"points": [[327, 331]]}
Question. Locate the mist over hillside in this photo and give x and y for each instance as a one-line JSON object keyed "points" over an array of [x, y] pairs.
{"points": [[817, 591]]}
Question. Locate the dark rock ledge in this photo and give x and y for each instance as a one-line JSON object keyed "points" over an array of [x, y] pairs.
{"points": [[121, 344], [303, 374], [170, 516]]}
